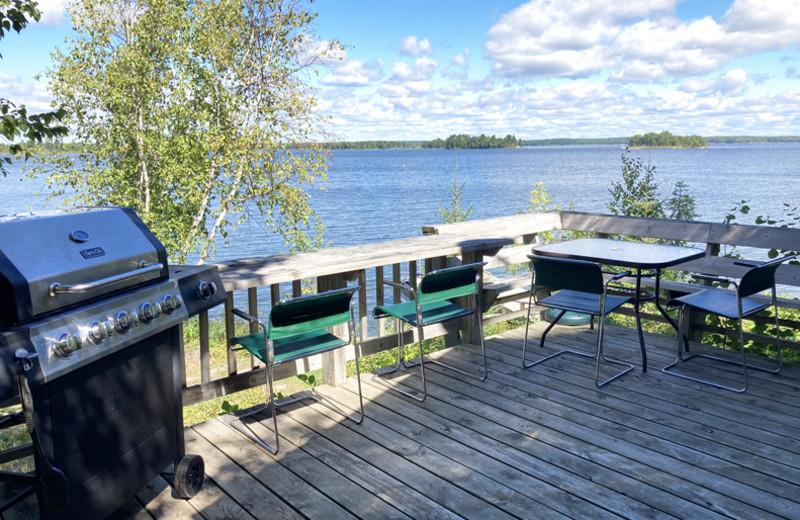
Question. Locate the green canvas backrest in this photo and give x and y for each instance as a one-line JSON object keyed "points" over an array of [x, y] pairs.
{"points": [[560, 273], [310, 313], [761, 277], [452, 282]]}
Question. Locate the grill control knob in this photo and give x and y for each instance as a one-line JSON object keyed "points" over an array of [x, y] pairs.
{"points": [[66, 344], [206, 290], [148, 312], [170, 304], [123, 321], [98, 331]]}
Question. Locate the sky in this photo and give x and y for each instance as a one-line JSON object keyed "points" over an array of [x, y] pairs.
{"points": [[418, 70]]}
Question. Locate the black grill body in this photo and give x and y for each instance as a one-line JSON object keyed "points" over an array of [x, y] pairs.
{"points": [[97, 363], [113, 425]]}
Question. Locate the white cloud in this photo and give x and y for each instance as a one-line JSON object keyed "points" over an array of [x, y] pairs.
{"points": [[423, 69], [328, 54], [402, 71], [410, 46], [53, 11], [418, 88], [392, 90], [353, 73], [460, 66], [564, 39], [460, 60], [34, 96], [732, 82], [639, 41]]}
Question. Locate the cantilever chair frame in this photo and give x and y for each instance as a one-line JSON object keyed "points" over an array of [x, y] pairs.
{"points": [[580, 289], [758, 278], [430, 307], [294, 327]]}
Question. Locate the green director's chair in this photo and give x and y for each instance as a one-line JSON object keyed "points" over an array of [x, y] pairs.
{"points": [[299, 328], [733, 305], [436, 301], [577, 286]]}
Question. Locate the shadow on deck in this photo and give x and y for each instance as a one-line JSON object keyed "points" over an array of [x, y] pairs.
{"points": [[539, 443]]}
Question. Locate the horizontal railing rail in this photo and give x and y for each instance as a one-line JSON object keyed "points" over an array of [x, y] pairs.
{"points": [[254, 284]]}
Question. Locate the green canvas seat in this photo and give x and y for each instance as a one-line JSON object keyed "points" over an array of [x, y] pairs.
{"points": [[298, 328], [436, 301], [733, 305], [577, 286]]}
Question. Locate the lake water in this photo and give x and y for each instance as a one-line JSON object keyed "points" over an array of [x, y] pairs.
{"points": [[374, 195]]}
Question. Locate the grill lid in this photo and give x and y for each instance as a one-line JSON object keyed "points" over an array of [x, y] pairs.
{"points": [[51, 261]]}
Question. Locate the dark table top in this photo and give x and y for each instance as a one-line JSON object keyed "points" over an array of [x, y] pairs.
{"points": [[638, 255]]}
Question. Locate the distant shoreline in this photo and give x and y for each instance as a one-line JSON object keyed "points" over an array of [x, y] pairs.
{"points": [[620, 141], [382, 145]]}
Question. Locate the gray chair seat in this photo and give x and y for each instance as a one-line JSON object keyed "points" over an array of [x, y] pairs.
{"points": [[577, 286], [731, 305]]}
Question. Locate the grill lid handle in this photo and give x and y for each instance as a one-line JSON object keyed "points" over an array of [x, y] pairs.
{"points": [[145, 268]]}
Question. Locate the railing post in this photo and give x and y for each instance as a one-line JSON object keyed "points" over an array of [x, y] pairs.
{"points": [[469, 325], [334, 363]]}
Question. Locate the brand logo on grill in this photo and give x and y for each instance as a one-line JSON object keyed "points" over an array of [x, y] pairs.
{"points": [[93, 252]]}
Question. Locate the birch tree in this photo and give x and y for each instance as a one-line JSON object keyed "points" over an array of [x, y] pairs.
{"points": [[193, 114], [15, 122]]}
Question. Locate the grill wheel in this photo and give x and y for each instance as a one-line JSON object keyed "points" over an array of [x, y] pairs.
{"points": [[189, 475]]}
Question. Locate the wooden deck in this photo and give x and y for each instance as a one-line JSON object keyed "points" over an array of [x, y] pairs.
{"points": [[540, 443]]}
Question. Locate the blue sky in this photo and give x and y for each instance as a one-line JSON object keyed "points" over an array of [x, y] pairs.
{"points": [[538, 69]]}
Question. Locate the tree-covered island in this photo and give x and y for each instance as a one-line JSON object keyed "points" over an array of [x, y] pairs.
{"points": [[463, 141], [667, 140]]}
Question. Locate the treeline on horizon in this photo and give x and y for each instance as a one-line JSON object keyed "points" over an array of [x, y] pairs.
{"points": [[556, 141], [470, 142], [49, 147], [666, 140], [73, 147]]}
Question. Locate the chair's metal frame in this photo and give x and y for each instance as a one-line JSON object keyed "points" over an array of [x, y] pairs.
{"points": [[683, 340], [600, 313], [379, 376], [238, 422]]}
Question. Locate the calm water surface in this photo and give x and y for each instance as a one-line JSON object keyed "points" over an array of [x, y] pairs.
{"points": [[375, 195]]}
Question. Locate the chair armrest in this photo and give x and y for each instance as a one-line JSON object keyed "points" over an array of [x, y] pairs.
{"points": [[618, 276], [399, 285], [615, 278], [403, 286], [248, 317], [719, 279]]}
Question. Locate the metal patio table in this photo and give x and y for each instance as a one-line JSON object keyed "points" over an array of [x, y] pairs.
{"points": [[644, 259]]}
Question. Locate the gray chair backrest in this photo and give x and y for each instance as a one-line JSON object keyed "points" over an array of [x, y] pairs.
{"points": [[761, 277], [560, 273]]}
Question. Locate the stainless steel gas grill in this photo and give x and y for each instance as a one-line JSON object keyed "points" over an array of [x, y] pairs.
{"points": [[90, 343]]}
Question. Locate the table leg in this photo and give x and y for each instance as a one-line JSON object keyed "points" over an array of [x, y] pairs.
{"points": [[664, 311], [636, 303]]}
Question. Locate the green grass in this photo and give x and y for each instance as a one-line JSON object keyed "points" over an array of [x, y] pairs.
{"points": [[752, 347], [12, 438]]}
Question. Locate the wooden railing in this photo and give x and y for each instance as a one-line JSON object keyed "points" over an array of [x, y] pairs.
{"points": [[256, 283]]}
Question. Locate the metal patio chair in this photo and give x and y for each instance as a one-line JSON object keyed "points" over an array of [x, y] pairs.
{"points": [[299, 328], [436, 301], [579, 287], [733, 305]]}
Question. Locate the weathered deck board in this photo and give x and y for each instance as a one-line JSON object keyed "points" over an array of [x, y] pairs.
{"points": [[537, 443]]}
